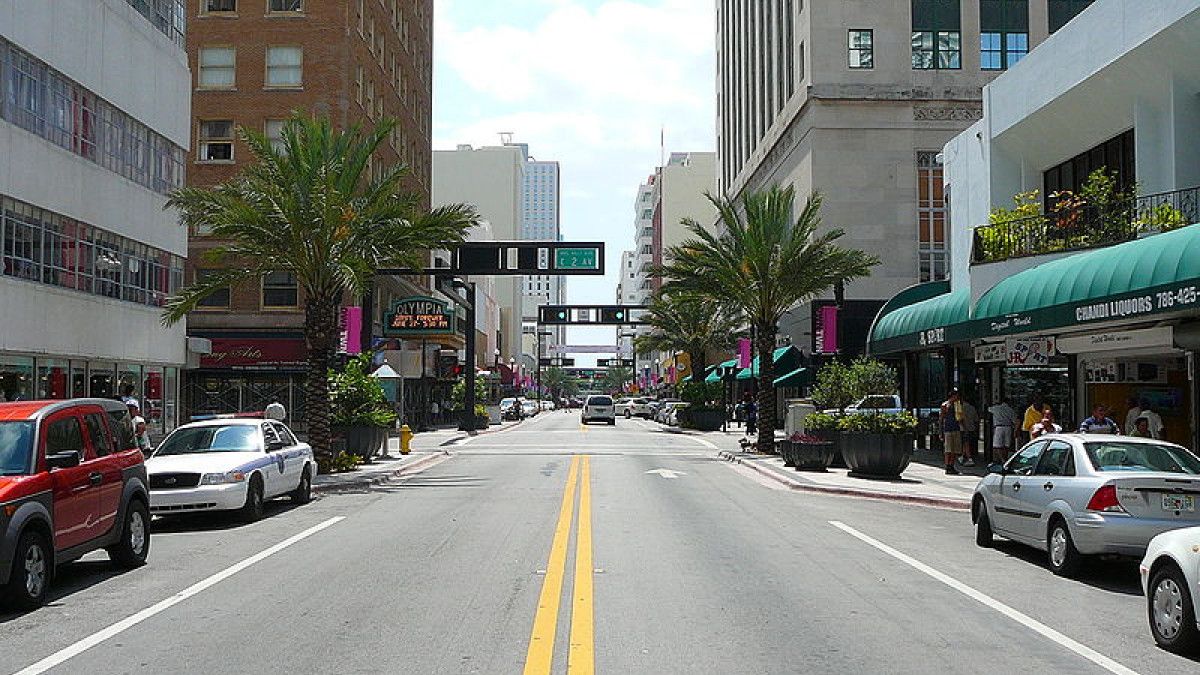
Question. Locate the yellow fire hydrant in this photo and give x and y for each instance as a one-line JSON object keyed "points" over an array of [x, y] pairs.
{"points": [[406, 435]]}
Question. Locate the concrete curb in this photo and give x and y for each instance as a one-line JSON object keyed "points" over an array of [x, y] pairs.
{"points": [[468, 434], [919, 500], [377, 477]]}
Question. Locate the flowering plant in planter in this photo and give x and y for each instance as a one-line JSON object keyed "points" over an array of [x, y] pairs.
{"points": [[807, 439]]}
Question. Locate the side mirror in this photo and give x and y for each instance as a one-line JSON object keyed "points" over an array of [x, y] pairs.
{"points": [[276, 445], [64, 460], [997, 468]]}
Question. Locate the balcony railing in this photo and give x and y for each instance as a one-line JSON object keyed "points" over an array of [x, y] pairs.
{"points": [[1086, 226]]}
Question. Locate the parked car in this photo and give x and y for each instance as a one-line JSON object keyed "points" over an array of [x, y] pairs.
{"points": [[640, 408], [1074, 495], [510, 409], [598, 408], [72, 480], [547, 405], [229, 465], [1171, 583], [529, 408], [664, 407], [884, 403], [623, 407], [671, 416]]}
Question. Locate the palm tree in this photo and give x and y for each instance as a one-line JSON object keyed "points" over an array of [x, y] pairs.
{"points": [[691, 323], [762, 264], [311, 208], [560, 383], [614, 379]]}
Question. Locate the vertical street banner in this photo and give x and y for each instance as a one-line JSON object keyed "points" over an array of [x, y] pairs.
{"points": [[351, 329], [744, 359]]}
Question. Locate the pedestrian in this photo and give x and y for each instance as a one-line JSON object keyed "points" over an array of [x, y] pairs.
{"points": [[140, 433], [1134, 412], [751, 416], [275, 411], [1046, 425], [127, 396], [1004, 420], [970, 432], [1033, 414], [1141, 428], [951, 420], [1099, 422], [1152, 419], [435, 411]]}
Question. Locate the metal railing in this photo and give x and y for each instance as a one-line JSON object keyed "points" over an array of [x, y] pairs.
{"points": [[1084, 226]]}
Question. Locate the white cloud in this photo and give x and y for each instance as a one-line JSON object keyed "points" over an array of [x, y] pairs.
{"points": [[590, 86]]}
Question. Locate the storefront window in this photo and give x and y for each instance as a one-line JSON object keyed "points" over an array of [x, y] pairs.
{"points": [[170, 398], [79, 387], [53, 379], [130, 375], [931, 379], [102, 379], [152, 398], [16, 378], [1052, 384]]}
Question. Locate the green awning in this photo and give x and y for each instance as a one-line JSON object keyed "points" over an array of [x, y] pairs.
{"points": [[1153, 275], [719, 370], [797, 378], [784, 358], [921, 323], [696, 377]]}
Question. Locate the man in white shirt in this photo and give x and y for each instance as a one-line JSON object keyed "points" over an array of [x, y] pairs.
{"points": [[1141, 408], [1004, 420]]}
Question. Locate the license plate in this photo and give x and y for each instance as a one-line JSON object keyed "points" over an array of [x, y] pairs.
{"points": [[1179, 502]]}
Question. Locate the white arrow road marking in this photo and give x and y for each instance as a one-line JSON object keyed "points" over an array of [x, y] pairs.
{"points": [[667, 473]]}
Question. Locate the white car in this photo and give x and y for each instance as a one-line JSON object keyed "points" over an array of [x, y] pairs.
{"points": [[624, 407], [547, 405], [1171, 582], [671, 416], [529, 408], [641, 408], [229, 465], [599, 408]]}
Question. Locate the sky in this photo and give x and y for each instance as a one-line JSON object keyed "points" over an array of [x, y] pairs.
{"points": [[598, 85]]}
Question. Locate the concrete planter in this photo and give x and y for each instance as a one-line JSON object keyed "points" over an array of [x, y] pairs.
{"points": [[704, 420], [811, 456], [835, 437], [361, 440], [877, 454]]}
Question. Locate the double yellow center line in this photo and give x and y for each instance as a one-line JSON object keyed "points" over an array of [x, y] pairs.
{"points": [[581, 652]]}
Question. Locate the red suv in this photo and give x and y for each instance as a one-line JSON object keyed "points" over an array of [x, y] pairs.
{"points": [[71, 481]]}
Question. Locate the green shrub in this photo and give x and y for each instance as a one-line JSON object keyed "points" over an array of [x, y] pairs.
{"points": [[700, 392], [357, 398], [821, 422], [342, 461], [883, 423], [1160, 218], [838, 384]]}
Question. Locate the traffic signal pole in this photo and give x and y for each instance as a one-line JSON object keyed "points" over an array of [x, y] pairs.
{"points": [[468, 417]]}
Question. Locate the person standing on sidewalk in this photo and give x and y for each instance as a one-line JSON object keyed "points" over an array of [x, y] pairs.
{"points": [[1046, 426], [751, 417], [1004, 421], [970, 432], [951, 421], [1099, 422], [1033, 415]]}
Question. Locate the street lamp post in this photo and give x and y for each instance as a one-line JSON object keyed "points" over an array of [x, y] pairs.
{"points": [[633, 345], [538, 337]]}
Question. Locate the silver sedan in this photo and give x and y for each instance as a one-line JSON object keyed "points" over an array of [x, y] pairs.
{"points": [[1074, 495]]}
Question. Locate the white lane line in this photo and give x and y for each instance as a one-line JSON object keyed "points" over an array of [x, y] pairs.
{"points": [[984, 599], [131, 621]]}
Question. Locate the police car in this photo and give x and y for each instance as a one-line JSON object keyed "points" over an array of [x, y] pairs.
{"points": [[229, 463]]}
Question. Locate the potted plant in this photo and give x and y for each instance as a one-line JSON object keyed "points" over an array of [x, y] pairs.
{"points": [[825, 427], [878, 444], [810, 453], [362, 415], [704, 411]]}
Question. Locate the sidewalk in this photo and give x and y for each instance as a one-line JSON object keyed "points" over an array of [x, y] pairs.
{"points": [[920, 483]]}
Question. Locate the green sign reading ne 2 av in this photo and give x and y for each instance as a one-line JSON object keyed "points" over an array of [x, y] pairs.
{"points": [[575, 259]]}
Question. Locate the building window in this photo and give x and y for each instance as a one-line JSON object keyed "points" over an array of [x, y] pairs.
{"points": [[216, 141], [1115, 156], [1004, 33], [284, 66], [862, 49], [217, 299], [279, 290], [932, 255], [274, 132], [294, 6], [217, 67], [1062, 11], [936, 36], [219, 6]]}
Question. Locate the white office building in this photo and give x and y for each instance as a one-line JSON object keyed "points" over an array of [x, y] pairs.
{"points": [[93, 135], [542, 221]]}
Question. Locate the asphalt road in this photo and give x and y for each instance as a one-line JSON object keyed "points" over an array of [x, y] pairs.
{"points": [[680, 563]]}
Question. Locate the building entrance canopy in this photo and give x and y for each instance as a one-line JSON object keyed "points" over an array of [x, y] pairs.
{"points": [[1155, 276]]}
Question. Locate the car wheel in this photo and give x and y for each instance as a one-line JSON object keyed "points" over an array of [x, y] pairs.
{"points": [[612, 422], [134, 546], [1172, 614], [1061, 553], [983, 527], [303, 492], [31, 571], [252, 510]]}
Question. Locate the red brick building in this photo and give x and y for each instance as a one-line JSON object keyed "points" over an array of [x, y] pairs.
{"points": [[253, 62]]}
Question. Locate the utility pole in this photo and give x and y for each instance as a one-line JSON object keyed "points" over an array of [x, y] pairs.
{"points": [[468, 420]]}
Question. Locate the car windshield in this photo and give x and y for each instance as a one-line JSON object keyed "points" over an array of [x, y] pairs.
{"points": [[16, 441], [1124, 456], [196, 440], [600, 400]]}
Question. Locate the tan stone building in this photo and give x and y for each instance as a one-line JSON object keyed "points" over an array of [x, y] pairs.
{"points": [[855, 99], [253, 62]]}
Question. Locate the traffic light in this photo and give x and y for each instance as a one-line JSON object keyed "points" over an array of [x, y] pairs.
{"points": [[613, 315], [549, 314]]}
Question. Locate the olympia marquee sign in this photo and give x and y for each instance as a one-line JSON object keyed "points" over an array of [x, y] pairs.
{"points": [[418, 316]]}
